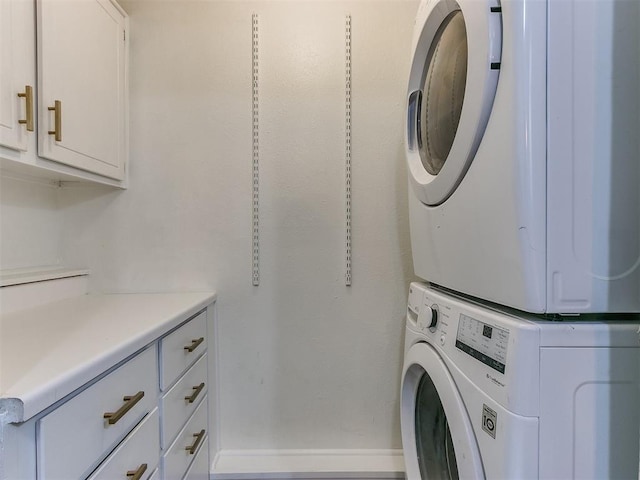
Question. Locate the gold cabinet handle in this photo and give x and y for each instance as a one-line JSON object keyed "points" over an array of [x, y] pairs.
{"points": [[28, 96], [194, 344], [194, 395], [192, 448], [57, 120], [137, 474], [129, 403]]}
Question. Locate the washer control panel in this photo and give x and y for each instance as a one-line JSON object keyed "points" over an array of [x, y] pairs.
{"points": [[483, 342]]}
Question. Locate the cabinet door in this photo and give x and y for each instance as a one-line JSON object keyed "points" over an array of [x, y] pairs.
{"points": [[17, 71], [82, 69]]}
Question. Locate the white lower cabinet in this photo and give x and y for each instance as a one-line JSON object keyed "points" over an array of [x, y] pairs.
{"points": [[137, 456], [122, 426], [181, 349], [77, 434], [183, 402], [179, 403], [191, 439], [199, 469]]}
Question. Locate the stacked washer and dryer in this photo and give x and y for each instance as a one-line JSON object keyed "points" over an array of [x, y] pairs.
{"points": [[523, 151]]}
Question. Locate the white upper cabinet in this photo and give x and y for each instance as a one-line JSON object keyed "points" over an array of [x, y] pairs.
{"points": [[82, 84], [17, 75], [70, 123]]}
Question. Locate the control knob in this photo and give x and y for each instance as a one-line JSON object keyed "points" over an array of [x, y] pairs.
{"points": [[434, 317]]}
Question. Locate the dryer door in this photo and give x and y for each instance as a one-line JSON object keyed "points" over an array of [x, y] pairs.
{"points": [[437, 436], [452, 84]]}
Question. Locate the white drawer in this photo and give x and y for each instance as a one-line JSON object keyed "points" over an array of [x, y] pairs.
{"points": [[75, 436], [181, 348], [178, 458], [179, 403], [138, 454], [155, 475], [199, 469]]}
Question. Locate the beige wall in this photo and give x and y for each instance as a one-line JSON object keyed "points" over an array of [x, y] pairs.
{"points": [[30, 222], [304, 361]]}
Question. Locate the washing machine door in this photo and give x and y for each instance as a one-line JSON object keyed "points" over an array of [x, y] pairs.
{"points": [[437, 436], [454, 74]]}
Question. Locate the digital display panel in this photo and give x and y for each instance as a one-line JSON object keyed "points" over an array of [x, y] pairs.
{"points": [[487, 331], [486, 343]]}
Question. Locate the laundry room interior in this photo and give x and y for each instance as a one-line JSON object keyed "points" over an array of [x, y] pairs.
{"points": [[251, 254]]}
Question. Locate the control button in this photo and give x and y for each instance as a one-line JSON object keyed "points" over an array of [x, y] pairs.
{"points": [[434, 317], [443, 338]]}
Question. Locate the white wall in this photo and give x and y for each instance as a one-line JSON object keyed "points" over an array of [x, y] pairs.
{"points": [[30, 222], [305, 362]]}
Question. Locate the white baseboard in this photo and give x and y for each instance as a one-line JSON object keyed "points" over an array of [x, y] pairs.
{"points": [[308, 464]]}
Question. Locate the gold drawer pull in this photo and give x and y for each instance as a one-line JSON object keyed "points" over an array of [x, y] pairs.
{"points": [[194, 344], [129, 403], [57, 121], [28, 96], [195, 394], [199, 436], [137, 474]]}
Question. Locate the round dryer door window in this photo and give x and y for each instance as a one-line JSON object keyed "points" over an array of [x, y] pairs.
{"points": [[438, 440], [454, 74], [442, 93]]}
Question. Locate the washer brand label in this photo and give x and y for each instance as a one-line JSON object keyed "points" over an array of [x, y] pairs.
{"points": [[489, 420], [495, 380]]}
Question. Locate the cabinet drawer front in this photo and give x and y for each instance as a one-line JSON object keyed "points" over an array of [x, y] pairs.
{"points": [[181, 349], [178, 458], [75, 436], [199, 469], [176, 404], [139, 452]]}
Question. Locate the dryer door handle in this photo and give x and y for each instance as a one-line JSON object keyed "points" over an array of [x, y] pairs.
{"points": [[414, 129]]}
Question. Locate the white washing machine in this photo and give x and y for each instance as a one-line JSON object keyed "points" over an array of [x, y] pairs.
{"points": [[523, 152], [486, 394]]}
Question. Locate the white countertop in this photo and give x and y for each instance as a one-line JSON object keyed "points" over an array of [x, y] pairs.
{"points": [[48, 351]]}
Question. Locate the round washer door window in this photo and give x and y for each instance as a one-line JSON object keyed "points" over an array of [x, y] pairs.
{"points": [[438, 440], [453, 80], [434, 446]]}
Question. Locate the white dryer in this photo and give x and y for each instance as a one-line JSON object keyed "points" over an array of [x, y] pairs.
{"points": [[523, 150], [486, 394]]}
